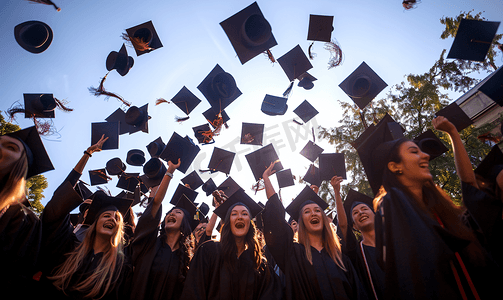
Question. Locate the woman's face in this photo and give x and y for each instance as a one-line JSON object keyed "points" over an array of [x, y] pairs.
{"points": [[173, 220], [363, 217], [312, 218], [240, 221], [11, 150], [414, 165], [107, 223]]}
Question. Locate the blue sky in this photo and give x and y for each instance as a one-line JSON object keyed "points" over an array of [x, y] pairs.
{"points": [[392, 41]]}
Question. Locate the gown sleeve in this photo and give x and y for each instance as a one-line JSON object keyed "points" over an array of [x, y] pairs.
{"points": [[146, 232], [200, 277]]}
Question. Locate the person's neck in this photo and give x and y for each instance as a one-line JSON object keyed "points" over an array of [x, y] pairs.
{"points": [[369, 238], [315, 240], [101, 243], [172, 238], [240, 245], [415, 189]]}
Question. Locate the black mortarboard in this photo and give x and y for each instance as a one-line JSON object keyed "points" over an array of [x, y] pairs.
{"points": [[33, 36], [38, 159], [221, 160], [147, 34], [191, 208], [98, 176], [493, 87], [294, 63], [183, 191], [311, 151], [110, 130], [285, 178], [102, 202], [429, 143], [332, 164], [39, 105], [82, 189], [259, 160], [320, 28], [211, 116], [156, 147], [180, 148], [115, 166], [305, 111], [120, 116], [455, 115], [491, 165], [313, 176], [252, 134], [229, 187], [203, 134], [119, 61], [363, 85], [306, 196], [274, 106], [209, 187], [238, 197], [473, 40], [352, 199], [249, 32], [375, 158], [219, 88], [306, 81], [193, 180], [135, 157], [128, 181], [138, 118], [153, 170], [203, 210], [185, 100]]}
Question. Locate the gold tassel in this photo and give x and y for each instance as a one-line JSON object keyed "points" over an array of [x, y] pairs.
{"points": [[100, 91], [46, 2], [61, 105], [180, 120], [161, 100], [136, 43]]}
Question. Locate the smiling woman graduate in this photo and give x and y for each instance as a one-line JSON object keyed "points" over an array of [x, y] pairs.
{"points": [[315, 267], [235, 267]]}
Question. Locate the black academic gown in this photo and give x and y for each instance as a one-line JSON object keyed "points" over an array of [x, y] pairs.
{"points": [[321, 280], [20, 237], [419, 254], [210, 278], [58, 239], [157, 268], [351, 247]]}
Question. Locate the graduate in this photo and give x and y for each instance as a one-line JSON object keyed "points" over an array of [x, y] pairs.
{"points": [[22, 155], [315, 267], [426, 250], [161, 258], [235, 267]]}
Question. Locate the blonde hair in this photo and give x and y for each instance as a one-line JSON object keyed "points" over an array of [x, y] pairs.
{"points": [[14, 188], [330, 241], [104, 277]]}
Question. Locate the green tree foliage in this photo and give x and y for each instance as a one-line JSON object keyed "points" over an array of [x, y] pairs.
{"points": [[413, 103], [35, 185]]}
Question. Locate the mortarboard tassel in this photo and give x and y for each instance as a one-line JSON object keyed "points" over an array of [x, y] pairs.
{"points": [[335, 54], [489, 137], [298, 122], [101, 174], [270, 56], [161, 100], [11, 112], [61, 105], [309, 51], [180, 120], [248, 138], [44, 127], [101, 91], [135, 42], [46, 2], [289, 89]]}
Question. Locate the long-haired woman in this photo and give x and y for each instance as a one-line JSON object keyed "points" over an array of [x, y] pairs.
{"points": [[235, 267], [161, 258], [315, 267], [427, 250]]}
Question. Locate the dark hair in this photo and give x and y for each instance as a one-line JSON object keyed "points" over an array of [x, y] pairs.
{"points": [[185, 242], [228, 242]]}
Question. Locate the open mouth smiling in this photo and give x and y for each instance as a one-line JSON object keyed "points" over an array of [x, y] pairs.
{"points": [[363, 218], [314, 221], [239, 225], [109, 225]]}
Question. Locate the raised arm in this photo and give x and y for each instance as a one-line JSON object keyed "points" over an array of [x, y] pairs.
{"points": [[342, 220], [213, 218], [163, 187], [269, 189], [462, 161]]}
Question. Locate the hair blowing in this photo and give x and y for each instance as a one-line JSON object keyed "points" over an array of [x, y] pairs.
{"points": [[13, 187]]}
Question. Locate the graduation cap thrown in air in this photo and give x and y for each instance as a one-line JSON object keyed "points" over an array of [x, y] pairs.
{"points": [[193, 180], [219, 88], [115, 166], [209, 187], [119, 61], [311, 151], [154, 170], [249, 32], [229, 187], [98, 176], [129, 181], [120, 116], [180, 148], [110, 130], [332, 164], [138, 118], [82, 189], [429, 143], [135, 157], [103, 202], [313, 176], [221, 160], [33, 36], [473, 40], [306, 81], [320, 28], [306, 196], [144, 38], [285, 178], [305, 111], [491, 165], [493, 87], [212, 116], [156, 147], [38, 159], [363, 85], [252, 133], [203, 134], [185, 100], [183, 192], [455, 115], [354, 198], [239, 196], [274, 106], [259, 160], [294, 63], [39, 105]]}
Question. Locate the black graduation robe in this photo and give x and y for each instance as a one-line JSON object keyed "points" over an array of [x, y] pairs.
{"points": [[210, 278], [157, 268], [418, 254], [321, 280]]}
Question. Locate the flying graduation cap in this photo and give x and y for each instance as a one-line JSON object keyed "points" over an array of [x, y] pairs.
{"points": [[294, 63], [311, 151], [183, 191], [429, 143], [473, 40], [137, 117], [115, 166], [110, 130], [180, 148], [135, 157], [215, 117], [143, 38], [252, 133], [455, 115], [156, 147], [305, 111], [98, 176], [363, 85], [313, 175], [493, 87], [120, 116], [320, 28], [285, 178], [209, 187], [33, 36], [193, 180], [249, 32], [274, 106], [221, 160], [332, 164], [203, 134], [119, 61], [186, 101], [39, 105], [219, 88], [154, 170], [260, 160]]}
